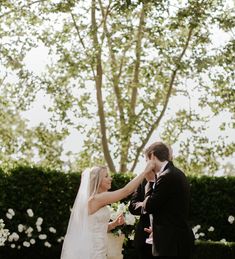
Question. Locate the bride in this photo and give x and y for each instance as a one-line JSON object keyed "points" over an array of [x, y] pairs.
{"points": [[86, 236]]}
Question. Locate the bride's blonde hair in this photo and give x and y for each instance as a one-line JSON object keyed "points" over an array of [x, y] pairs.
{"points": [[95, 178]]}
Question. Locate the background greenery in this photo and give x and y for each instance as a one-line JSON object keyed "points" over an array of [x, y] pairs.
{"points": [[50, 194]]}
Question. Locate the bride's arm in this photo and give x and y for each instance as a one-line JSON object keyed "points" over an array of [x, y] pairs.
{"points": [[104, 198]]}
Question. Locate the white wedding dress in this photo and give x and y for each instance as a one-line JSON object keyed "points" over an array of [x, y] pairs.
{"points": [[98, 222], [86, 236]]}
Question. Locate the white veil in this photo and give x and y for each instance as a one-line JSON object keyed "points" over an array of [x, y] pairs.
{"points": [[78, 237]]}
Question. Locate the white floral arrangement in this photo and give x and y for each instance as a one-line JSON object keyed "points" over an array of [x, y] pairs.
{"points": [[4, 233], [199, 235], [128, 228], [26, 235]]}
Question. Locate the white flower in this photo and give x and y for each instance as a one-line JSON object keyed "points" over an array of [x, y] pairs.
{"points": [[8, 215], [42, 236], [131, 236], [4, 233], [18, 247], [10, 239], [20, 228], [195, 229], [29, 231], [121, 208], [13, 245], [231, 219], [39, 229], [223, 240], [11, 211], [30, 213], [1, 223], [32, 241], [201, 234], [211, 229], [39, 221], [47, 244], [130, 219], [52, 230], [119, 232], [60, 239], [13, 237], [26, 244], [196, 236]]}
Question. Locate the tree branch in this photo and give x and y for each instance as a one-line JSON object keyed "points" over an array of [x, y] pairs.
{"points": [[170, 87], [135, 82], [115, 77], [98, 84], [81, 40]]}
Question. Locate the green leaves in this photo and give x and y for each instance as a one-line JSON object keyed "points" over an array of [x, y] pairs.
{"points": [[144, 54]]}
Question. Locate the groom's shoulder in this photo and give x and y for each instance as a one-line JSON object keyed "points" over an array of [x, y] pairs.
{"points": [[176, 172]]}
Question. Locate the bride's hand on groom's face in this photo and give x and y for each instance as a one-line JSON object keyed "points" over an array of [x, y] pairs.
{"points": [[150, 167]]}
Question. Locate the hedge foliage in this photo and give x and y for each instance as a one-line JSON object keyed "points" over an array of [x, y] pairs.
{"points": [[212, 202], [50, 195]]}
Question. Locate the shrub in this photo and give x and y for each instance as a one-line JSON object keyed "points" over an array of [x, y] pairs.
{"points": [[50, 196]]}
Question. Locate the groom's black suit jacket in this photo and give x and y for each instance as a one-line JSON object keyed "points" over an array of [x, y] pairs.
{"points": [[169, 203]]}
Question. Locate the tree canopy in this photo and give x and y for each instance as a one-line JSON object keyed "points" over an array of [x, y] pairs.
{"points": [[116, 69]]}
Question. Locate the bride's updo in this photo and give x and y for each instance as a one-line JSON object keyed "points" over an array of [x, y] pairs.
{"points": [[95, 178]]}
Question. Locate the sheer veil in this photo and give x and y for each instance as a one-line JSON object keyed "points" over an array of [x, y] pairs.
{"points": [[78, 237]]}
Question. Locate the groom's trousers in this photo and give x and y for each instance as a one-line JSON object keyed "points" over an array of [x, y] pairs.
{"points": [[146, 252], [172, 257]]}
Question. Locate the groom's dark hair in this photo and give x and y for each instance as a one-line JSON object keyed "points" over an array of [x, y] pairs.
{"points": [[159, 150]]}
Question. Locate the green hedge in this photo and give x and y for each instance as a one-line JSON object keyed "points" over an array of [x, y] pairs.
{"points": [[51, 194], [214, 250], [213, 201], [203, 250]]}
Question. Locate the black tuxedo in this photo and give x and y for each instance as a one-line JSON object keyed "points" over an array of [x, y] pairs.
{"points": [[144, 250], [169, 204]]}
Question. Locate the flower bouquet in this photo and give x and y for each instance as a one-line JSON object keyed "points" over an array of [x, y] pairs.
{"points": [[130, 220]]}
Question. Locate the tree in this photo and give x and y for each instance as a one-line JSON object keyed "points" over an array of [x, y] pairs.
{"points": [[229, 169], [134, 57], [24, 145]]}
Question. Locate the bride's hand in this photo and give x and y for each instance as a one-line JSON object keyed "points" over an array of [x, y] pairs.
{"points": [[120, 220], [150, 167]]}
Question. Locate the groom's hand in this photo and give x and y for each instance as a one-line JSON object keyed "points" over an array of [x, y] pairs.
{"points": [[148, 230]]}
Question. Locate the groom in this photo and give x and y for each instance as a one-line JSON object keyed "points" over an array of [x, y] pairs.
{"points": [[168, 204], [143, 249]]}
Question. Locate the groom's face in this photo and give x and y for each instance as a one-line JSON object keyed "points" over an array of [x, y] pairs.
{"points": [[156, 162]]}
